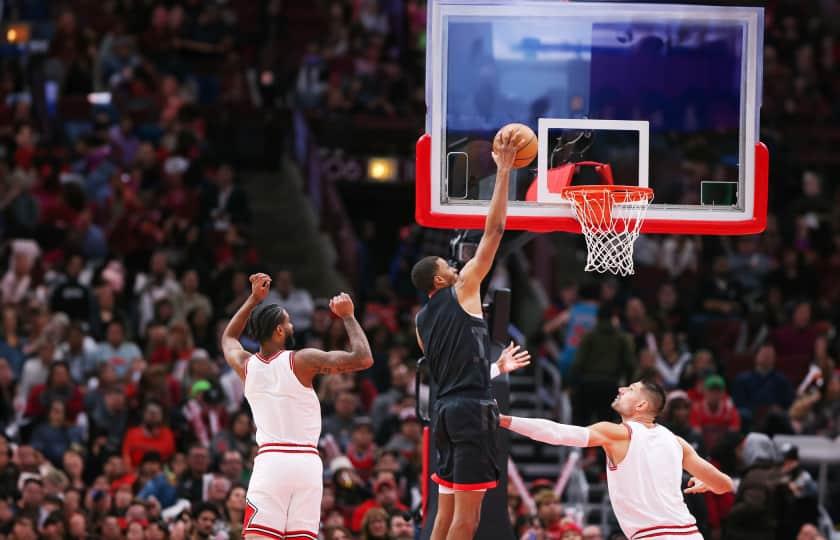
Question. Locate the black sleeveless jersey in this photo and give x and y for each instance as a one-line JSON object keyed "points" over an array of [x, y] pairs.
{"points": [[456, 345]]}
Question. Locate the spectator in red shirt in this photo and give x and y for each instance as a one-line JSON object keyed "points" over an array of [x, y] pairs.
{"points": [[361, 450], [385, 496], [150, 436], [59, 386], [716, 414]]}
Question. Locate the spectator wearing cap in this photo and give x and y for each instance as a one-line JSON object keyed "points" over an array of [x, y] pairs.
{"points": [[205, 412], [800, 494], [406, 440], [349, 488], [763, 390], [361, 450], [117, 351], [385, 496], [150, 436], [153, 481], [716, 414]]}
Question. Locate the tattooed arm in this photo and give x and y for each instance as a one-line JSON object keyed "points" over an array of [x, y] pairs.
{"points": [[311, 362]]}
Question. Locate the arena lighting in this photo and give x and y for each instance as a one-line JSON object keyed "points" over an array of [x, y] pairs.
{"points": [[17, 33], [99, 98], [382, 169]]}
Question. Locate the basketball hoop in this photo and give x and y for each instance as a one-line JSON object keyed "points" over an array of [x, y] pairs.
{"points": [[610, 218]]}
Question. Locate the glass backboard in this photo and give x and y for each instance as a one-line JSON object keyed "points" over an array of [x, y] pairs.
{"points": [[662, 96]]}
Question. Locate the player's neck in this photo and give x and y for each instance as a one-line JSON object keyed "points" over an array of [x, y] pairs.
{"points": [[268, 350], [644, 420]]}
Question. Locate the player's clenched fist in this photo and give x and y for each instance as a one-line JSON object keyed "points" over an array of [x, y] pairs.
{"points": [[342, 305], [260, 285]]}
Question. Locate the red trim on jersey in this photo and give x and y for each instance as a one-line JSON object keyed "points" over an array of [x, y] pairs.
{"points": [[265, 360], [659, 532], [668, 532], [301, 534], [629, 430], [292, 361], [287, 444], [245, 368], [463, 487], [263, 531]]}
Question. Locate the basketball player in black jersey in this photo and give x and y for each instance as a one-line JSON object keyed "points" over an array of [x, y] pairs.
{"points": [[454, 338]]}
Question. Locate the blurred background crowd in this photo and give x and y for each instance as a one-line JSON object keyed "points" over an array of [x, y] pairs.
{"points": [[138, 140]]}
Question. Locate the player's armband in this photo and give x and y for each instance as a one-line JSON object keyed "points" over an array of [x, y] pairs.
{"points": [[550, 432]]}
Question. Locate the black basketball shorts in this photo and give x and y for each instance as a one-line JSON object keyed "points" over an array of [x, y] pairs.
{"points": [[464, 431]]}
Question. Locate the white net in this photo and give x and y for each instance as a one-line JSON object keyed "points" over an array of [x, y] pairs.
{"points": [[610, 219]]}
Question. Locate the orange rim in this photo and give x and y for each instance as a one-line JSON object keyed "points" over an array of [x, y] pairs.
{"points": [[618, 194]]}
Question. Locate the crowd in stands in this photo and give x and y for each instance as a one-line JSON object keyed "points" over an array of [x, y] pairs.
{"points": [[126, 248]]}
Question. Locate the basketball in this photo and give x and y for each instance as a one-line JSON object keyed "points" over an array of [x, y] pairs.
{"points": [[528, 151]]}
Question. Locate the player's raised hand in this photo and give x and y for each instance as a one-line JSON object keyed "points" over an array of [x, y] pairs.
{"points": [[342, 305], [260, 285], [512, 359], [696, 486]]}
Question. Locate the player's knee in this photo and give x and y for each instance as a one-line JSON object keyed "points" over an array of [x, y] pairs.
{"points": [[465, 526]]}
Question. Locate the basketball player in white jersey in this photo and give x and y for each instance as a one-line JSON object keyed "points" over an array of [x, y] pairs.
{"points": [[644, 463], [284, 494]]}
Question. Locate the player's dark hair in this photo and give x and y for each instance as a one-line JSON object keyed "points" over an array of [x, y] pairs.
{"points": [[424, 272], [264, 320], [656, 394]]}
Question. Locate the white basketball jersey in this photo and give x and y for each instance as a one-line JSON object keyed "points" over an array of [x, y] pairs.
{"points": [[286, 413], [645, 489]]}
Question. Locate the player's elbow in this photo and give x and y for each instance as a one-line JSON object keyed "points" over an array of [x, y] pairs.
{"points": [[366, 361]]}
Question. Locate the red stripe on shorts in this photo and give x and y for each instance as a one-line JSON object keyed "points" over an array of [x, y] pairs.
{"points": [[463, 487]]}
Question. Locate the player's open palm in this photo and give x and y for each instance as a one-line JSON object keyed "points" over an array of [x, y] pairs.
{"points": [[260, 285], [342, 305], [512, 359], [696, 486]]}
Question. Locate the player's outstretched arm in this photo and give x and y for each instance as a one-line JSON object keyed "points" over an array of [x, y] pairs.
{"points": [[477, 268], [600, 434], [704, 475], [311, 362], [235, 355]]}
